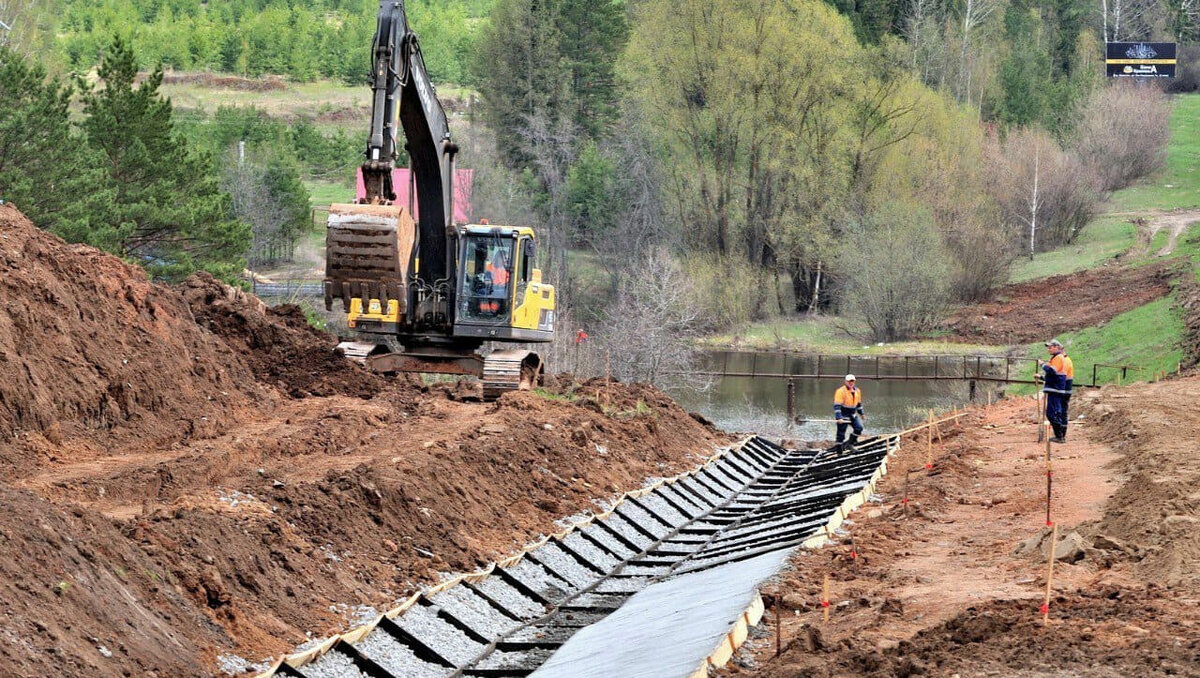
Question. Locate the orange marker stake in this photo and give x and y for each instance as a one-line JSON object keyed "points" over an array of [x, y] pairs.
{"points": [[825, 600], [1049, 577], [905, 501]]}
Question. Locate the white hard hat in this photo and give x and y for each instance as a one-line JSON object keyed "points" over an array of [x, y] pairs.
{"points": [[850, 377]]}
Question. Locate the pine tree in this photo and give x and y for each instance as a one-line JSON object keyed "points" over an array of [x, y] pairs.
{"points": [[167, 211], [43, 166]]}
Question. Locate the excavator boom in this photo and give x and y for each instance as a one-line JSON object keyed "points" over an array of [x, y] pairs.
{"points": [[402, 277]]}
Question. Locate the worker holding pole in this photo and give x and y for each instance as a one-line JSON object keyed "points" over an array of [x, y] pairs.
{"points": [[1058, 379], [848, 410]]}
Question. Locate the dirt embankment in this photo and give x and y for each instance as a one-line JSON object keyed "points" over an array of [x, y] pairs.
{"points": [[1040, 309], [190, 474], [955, 586]]}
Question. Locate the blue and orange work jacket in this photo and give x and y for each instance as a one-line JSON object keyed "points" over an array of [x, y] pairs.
{"points": [[1059, 375], [847, 402]]}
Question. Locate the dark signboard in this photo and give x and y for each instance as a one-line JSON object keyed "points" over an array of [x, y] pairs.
{"points": [[1140, 59]]}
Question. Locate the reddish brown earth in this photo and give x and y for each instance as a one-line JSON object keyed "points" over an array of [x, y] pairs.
{"points": [[948, 589], [190, 474], [1042, 308]]}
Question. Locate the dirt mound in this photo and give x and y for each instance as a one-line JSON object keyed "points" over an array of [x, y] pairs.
{"points": [[81, 599], [1043, 308], [1111, 632], [1189, 295], [280, 346], [88, 342], [1154, 427], [269, 83]]}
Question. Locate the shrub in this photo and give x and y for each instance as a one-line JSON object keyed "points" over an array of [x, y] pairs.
{"points": [[1123, 135]]}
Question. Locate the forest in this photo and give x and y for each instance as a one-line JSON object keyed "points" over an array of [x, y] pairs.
{"points": [[883, 159]]}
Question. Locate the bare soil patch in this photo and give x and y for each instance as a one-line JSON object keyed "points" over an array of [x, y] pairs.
{"points": [[1040, 309]]}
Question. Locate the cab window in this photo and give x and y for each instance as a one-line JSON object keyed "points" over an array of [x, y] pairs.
{"points": [[485, 292]]}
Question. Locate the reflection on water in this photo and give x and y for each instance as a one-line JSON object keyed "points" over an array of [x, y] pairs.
{"points": [[759, 404]]}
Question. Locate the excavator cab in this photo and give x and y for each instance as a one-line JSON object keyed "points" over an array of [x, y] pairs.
{"points": [[500, 293]]}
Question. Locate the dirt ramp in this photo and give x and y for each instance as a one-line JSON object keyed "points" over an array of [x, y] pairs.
{"points": [[88, 342]]}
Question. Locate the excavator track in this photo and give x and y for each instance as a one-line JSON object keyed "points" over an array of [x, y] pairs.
{"points": [[510, 370]]}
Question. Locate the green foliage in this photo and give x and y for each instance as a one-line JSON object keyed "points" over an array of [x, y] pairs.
{"points": [[42, 168], [167, 210], [1179, 185], [303, 39], [591, 194], [552, 61]]}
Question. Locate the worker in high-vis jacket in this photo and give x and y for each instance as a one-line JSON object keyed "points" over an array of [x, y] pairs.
{"points": [[1058, 374], [848, 410]]}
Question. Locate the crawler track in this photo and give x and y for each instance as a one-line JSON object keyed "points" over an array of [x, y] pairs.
{"points": [[757, 498]]}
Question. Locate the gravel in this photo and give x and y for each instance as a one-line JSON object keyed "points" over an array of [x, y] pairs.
{"points": [[565, 564], [519, 659], [638, 515], [712, 497], [577, 543], [537, 578], [337, 665], [601, 535], [473, 611], [662, 509], [623, 585], [396, 658], [727, 477], [510, 598], [435, 632], [623, 528], [646, 570], [682, 498]]}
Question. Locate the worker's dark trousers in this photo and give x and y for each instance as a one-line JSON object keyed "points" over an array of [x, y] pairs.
{"points": [[856, 422], [1056, 412]]}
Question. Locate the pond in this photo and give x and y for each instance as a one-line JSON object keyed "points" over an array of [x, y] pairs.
{"points": [[758, 404]]}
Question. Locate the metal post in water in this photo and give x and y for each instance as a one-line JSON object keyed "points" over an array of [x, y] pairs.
{"points": [[791, 400]]}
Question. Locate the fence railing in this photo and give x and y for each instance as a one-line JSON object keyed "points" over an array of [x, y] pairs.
{"points": [[1003, 369]]}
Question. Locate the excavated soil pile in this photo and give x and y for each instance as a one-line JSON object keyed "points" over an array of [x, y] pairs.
{"points": [[1043, 308], [1113, 633], [1155, 515], [1189, 295], [191, 475], [87, 343], [278, 343]]}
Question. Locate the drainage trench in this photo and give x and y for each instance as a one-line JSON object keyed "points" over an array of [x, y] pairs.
{"points": [[756, 499]]}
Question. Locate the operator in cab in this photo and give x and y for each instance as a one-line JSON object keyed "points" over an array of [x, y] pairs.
{"points": [[848, 410]]}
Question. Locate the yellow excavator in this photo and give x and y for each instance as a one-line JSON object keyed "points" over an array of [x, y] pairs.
{"points": [[438, 290]]}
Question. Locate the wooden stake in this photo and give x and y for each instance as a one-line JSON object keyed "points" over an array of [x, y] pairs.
{"points": [[905, 502], [778, 622], [1049, 577], [929, 442], [1049, 480], [825, 599], [989, 398], [607, 376]]}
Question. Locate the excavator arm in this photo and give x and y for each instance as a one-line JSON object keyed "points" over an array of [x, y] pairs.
{"points": [[401, 90]]}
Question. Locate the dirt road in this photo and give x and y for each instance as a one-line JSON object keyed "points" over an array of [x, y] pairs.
{"points": [[1040, 309], [955, 587]]}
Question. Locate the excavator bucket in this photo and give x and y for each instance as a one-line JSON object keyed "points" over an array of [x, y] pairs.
{"points": [[367, 254]]}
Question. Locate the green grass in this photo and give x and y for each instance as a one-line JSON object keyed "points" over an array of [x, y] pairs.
{"points": [[829, 334], [1178, 185], [328, 192], [1101, 240], [1146, 337]]}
